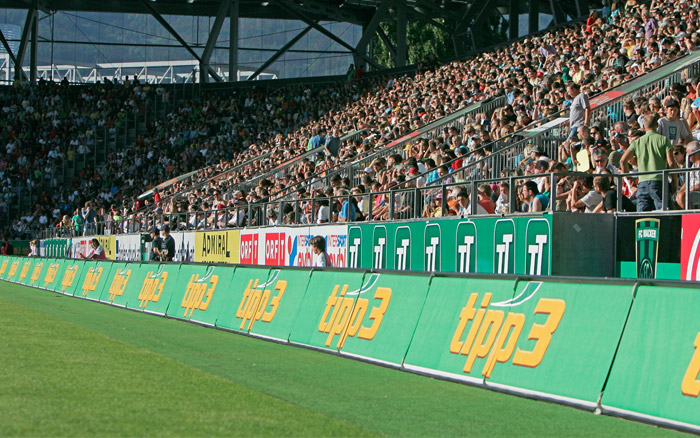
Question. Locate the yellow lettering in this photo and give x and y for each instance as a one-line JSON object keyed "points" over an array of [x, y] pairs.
{"points": [[505, 343], [541, 332], [465, 316], [377, 314], [690, 385]]}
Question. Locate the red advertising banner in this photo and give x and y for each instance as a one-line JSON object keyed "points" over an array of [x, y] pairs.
{"points": [[690, 247]]}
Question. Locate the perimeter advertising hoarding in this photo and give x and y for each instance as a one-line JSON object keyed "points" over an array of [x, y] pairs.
{"points": [[57, 248], [519, 245], [151, 286], [201, 292], [326, 312], [657, 367], [530, 337], [264, 302], [690, 247], [649, 245], [290, 246], [217, 247], [94, 278], [120, 278], [384, 317], [129, 248]]}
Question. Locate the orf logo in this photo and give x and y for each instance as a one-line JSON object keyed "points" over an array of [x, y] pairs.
{"points": [[402, 249], [504, 246], [647, 246], [354, 247], [466, 247], [199, 292], [249, 249], [432, 247], [538, 252], [379, 247], [275, 248]]}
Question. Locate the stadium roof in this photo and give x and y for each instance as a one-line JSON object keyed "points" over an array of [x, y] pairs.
{"points": [[465, 20]]}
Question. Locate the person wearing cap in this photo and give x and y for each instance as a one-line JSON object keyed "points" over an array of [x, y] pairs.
{"points": [[165, 251], [674, 128]]}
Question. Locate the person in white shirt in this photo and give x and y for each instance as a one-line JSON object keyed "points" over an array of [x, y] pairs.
{"points": [[321, 257]]}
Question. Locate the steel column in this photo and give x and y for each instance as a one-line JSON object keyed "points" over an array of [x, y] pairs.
{"points": [[233, 41], [213, 37], [401, 23], [513, 19]]}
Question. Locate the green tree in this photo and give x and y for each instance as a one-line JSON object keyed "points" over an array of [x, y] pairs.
{"points": [[423, 40]]}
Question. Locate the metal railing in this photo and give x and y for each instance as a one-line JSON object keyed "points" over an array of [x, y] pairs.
{"points": [[459, 199]]}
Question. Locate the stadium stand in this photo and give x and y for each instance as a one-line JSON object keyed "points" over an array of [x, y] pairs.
{"points": [[286, 146]]}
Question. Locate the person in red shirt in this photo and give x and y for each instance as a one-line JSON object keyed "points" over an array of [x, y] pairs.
{"points": [[97, 252], [485, 201]]}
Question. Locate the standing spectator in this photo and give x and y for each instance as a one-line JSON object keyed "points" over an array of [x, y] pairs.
{"points": [[580, 110], [650, 150], [90, 217], [78, 222], [672, 127], [33, 248], [167, 245]]}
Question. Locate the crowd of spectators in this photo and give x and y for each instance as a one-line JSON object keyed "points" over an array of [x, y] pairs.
{"points": [[539, 76]]}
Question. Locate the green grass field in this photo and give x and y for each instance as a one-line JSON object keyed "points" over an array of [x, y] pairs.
{"points": [[74, 367]]}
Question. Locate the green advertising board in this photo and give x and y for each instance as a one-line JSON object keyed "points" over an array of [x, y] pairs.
{"points": [[243, 299], [51, 277], [327, 309], [70, 277], [38, 271], [5, 264], [56, 248], [656, 373], [519, 245], [25, 267], [271, 308], [119, 279], [449, 332], [384, 316], [13, 269], [201, 293], [151, 287], [95, 275], [565, 330]]}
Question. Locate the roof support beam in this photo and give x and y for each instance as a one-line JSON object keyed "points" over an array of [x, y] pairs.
{"points": [[533, 11], [6, 45], [513, 19], [213, 37], [368, 33], [401, 24], [34, 45], [163, 22], [390, 47], [557, 12], [582, 7], [290, 7], [233, 41], [28, 26], [280, 52], [422, 16]]}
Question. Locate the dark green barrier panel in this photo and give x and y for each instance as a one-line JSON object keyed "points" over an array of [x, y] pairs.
{"points": [[120, 277], [384, 317], [13, 270], [95, 276], [272, 307], [39, 271], [71, 279], [565, 330], [25, 268], [443, 339], [55, 247], [245, 284], [324, 315], [151, 288], [656, 370], [201, 293]]}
